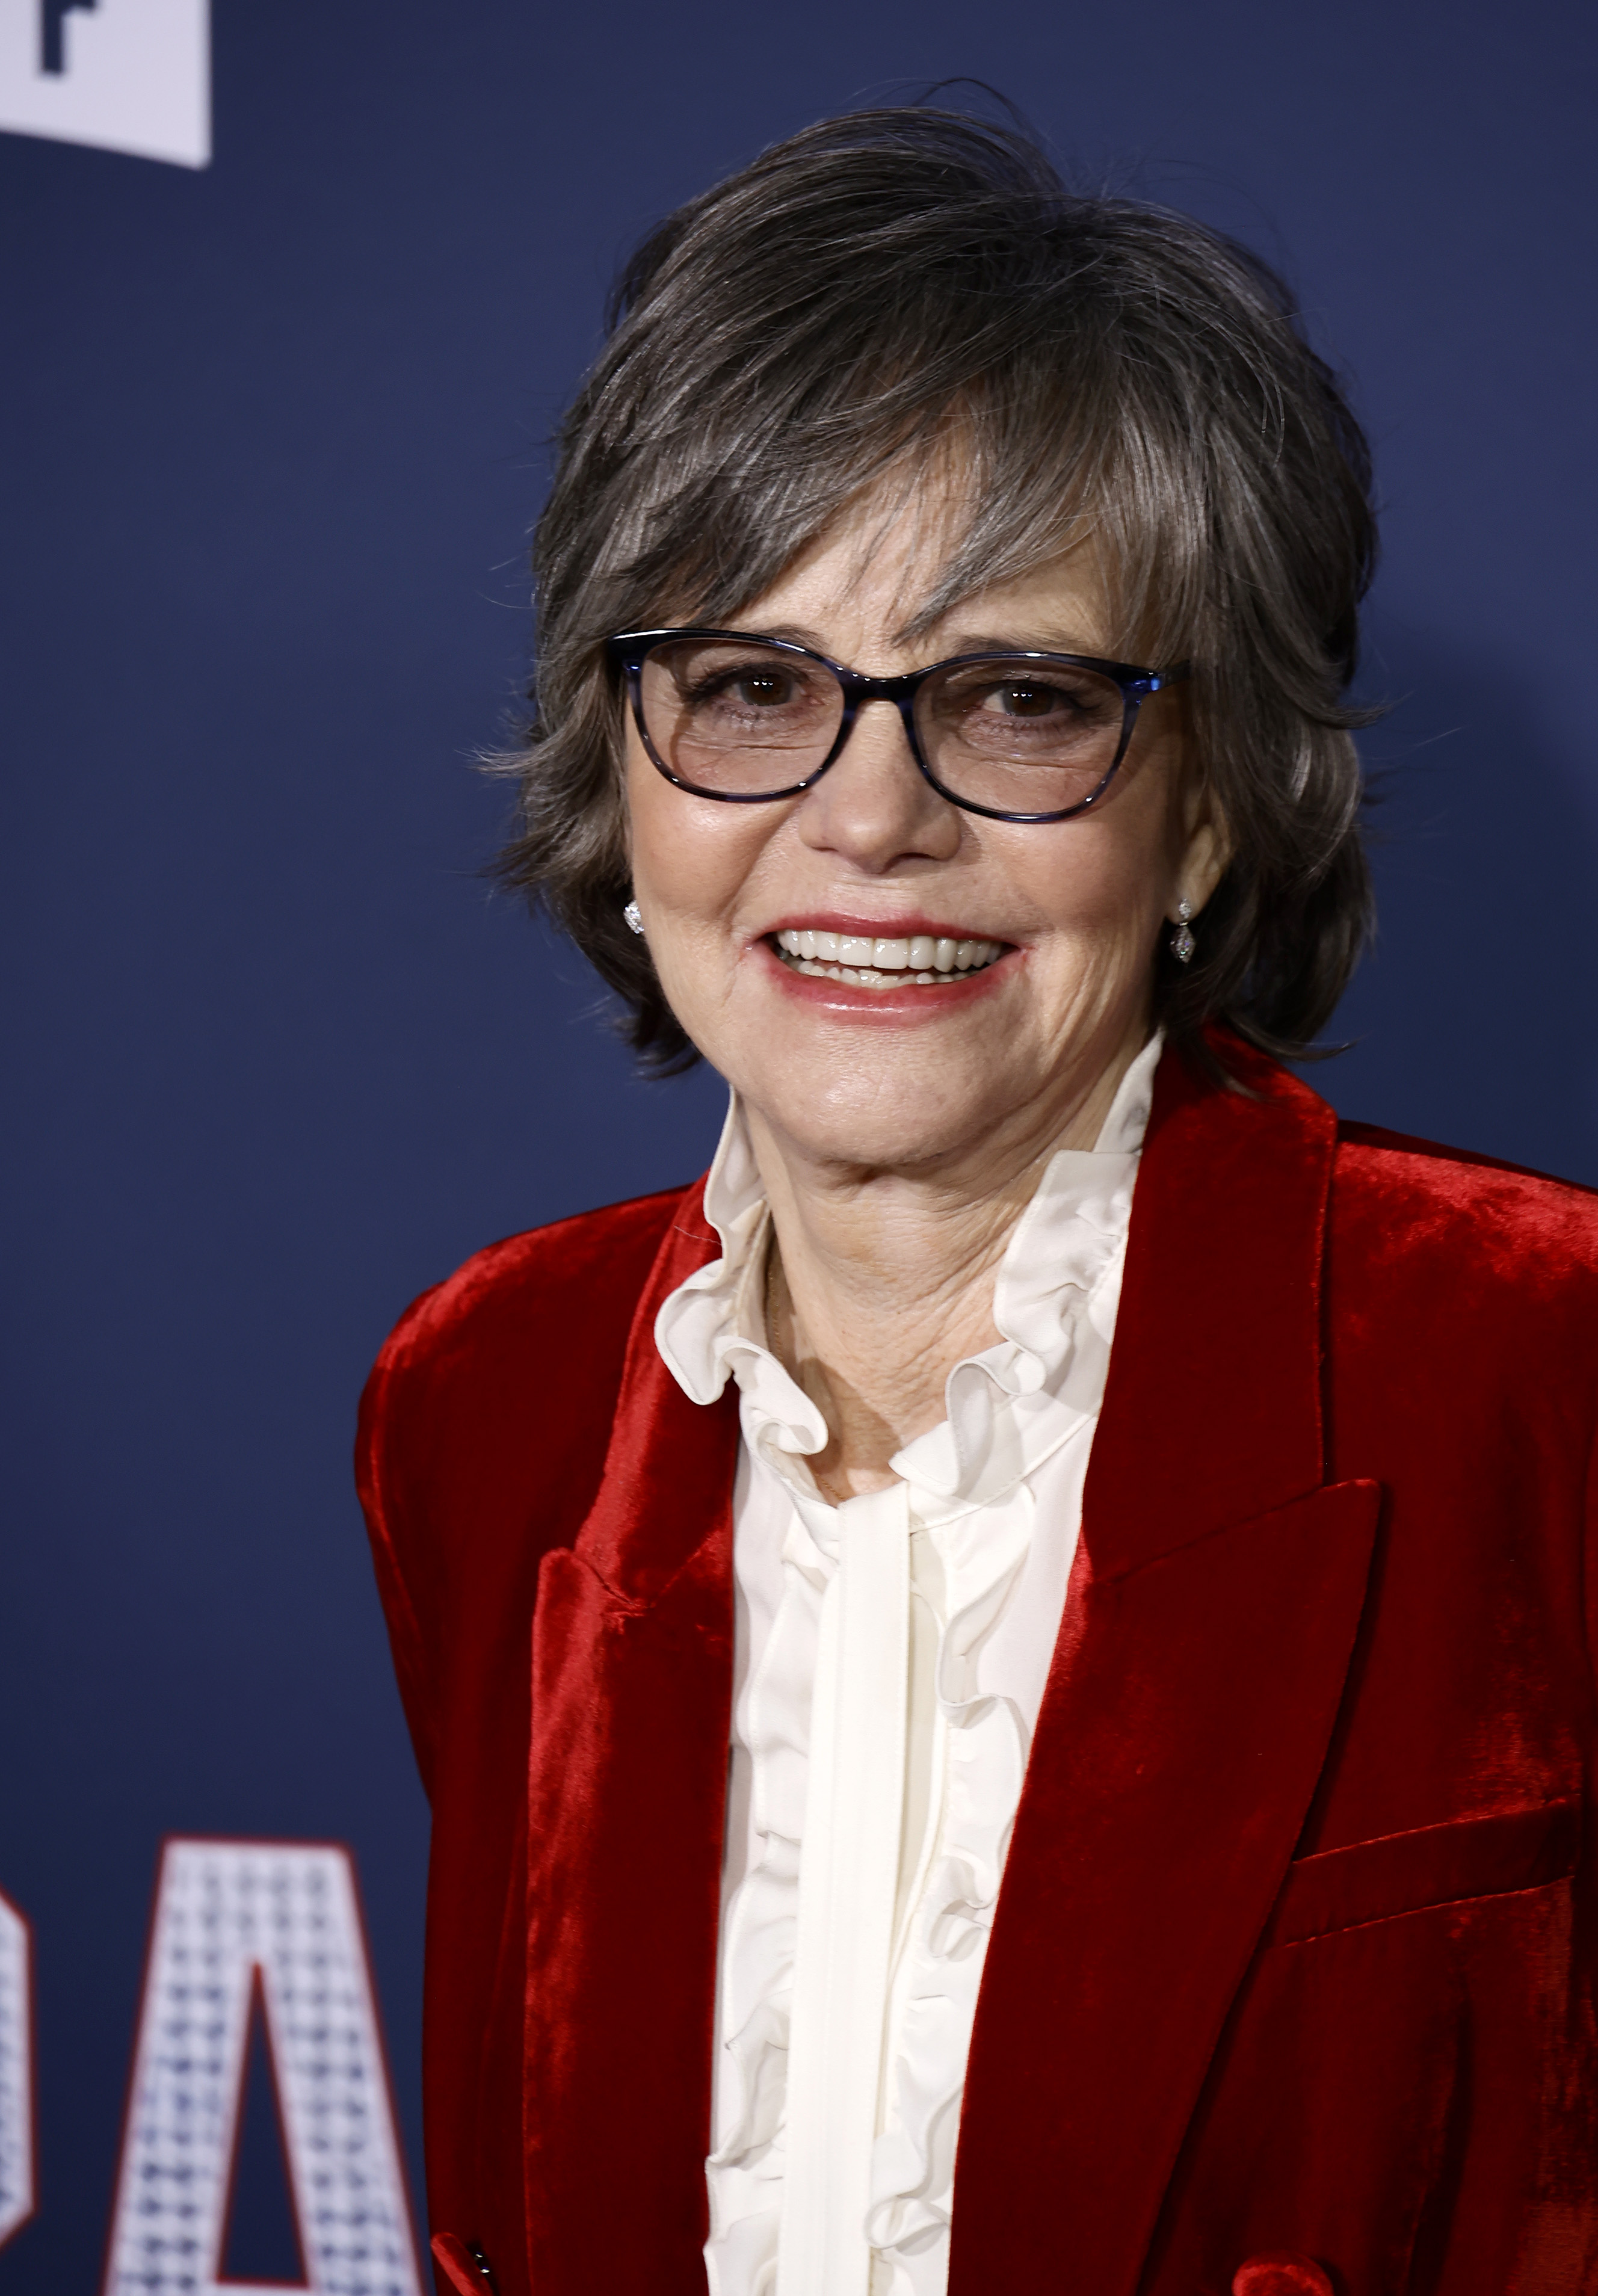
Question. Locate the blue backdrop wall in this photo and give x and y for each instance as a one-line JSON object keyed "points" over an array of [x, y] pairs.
{"points": [[272, 436]]}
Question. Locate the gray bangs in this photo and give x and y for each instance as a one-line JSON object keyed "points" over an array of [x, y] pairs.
{"points": [[909, 296]]}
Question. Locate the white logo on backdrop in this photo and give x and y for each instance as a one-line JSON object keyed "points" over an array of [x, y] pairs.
{"points": [[231, 1916], [126, 75], [16, 2072]]}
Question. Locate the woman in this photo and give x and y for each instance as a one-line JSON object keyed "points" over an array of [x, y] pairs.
{"points": [[1004, 1680]]}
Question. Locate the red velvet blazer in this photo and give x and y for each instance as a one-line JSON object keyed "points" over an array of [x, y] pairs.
{"points": [[1295, 1949]]}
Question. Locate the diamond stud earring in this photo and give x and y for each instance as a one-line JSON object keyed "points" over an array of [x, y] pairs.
{"points": [[631, 914], [1182, 943]]}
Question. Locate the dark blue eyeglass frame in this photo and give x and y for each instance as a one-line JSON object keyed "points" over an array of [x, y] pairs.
{"points": [[628, 651]]}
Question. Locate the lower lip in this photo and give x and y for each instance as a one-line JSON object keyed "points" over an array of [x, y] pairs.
{"points": [[912, 1003]]}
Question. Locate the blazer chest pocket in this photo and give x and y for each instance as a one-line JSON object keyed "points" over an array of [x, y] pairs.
{"points": [[1433, 1865]]}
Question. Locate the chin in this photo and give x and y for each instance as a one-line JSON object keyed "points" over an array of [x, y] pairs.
{"points": [[878, 1116]]}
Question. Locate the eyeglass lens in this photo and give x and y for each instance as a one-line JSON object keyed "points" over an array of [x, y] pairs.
{"points": [[1015, 735]]}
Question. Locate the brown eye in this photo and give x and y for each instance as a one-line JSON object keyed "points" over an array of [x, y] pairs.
{"points": [[1027, 700], [765, 689]]}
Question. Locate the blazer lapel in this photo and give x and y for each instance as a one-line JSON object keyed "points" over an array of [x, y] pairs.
{"points": [[1213, 1609], [632, 1680]]}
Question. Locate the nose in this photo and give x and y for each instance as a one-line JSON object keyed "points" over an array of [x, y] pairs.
{"points": [[873, 806]]}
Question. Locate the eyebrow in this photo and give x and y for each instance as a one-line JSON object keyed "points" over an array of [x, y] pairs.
{"points": [[960, 643], [794, 633], [988, 642]]}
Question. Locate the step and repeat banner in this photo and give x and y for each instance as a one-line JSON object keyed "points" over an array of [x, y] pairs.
{"points": [[291, 296]]}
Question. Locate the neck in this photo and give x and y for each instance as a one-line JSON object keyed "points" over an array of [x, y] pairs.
{"points": [[881, 1280]]}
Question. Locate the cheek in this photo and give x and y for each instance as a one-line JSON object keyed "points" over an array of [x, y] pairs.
{"points": [[684, 865], [1121, 868], [1095, 884], [691, 860]]}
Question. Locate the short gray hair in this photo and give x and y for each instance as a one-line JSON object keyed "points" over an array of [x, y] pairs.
{"points": [[896, 286]]}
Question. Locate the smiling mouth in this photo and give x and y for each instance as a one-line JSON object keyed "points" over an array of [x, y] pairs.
{"points": [[863, 964]]}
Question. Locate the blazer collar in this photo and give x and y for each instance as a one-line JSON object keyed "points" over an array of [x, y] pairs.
{"points": [[650, 1511], [1218, 1329], [1212, 1409]]}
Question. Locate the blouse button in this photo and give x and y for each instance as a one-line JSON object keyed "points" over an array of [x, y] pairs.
{"points": [[1283, 2272]]}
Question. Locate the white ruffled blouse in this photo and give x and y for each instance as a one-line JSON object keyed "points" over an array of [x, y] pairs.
{"points": [[890, 1660]]}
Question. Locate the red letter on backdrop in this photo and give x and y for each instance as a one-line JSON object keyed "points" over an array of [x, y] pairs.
{"points": [[230, 1915]]}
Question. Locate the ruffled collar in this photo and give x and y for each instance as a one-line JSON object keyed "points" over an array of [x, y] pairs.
{"points": [[1007, 1407]]}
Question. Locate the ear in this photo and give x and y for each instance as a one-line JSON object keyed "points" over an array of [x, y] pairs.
{"points": [[1204, 843]]}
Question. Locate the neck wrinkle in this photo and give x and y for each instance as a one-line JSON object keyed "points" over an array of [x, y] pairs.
{"points": [[874, 1354]]}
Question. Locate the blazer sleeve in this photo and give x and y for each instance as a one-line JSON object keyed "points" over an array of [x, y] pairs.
{"points": [[380, 1485], [1590, 1566], [480, 1444]]}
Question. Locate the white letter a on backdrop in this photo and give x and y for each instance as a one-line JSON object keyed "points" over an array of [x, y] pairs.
{"points": [[231, 1916], [16, 2072]]}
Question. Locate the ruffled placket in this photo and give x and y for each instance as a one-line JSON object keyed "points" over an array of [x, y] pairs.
{"points": [[895, 1665]]}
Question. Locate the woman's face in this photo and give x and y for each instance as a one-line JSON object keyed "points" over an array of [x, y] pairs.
{"points": [[997, 1063]]}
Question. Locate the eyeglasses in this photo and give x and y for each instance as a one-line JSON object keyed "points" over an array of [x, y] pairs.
{"points": [[1015, 736]]}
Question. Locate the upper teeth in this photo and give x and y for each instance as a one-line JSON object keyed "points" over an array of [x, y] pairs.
{"points": [[920, 954]]}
